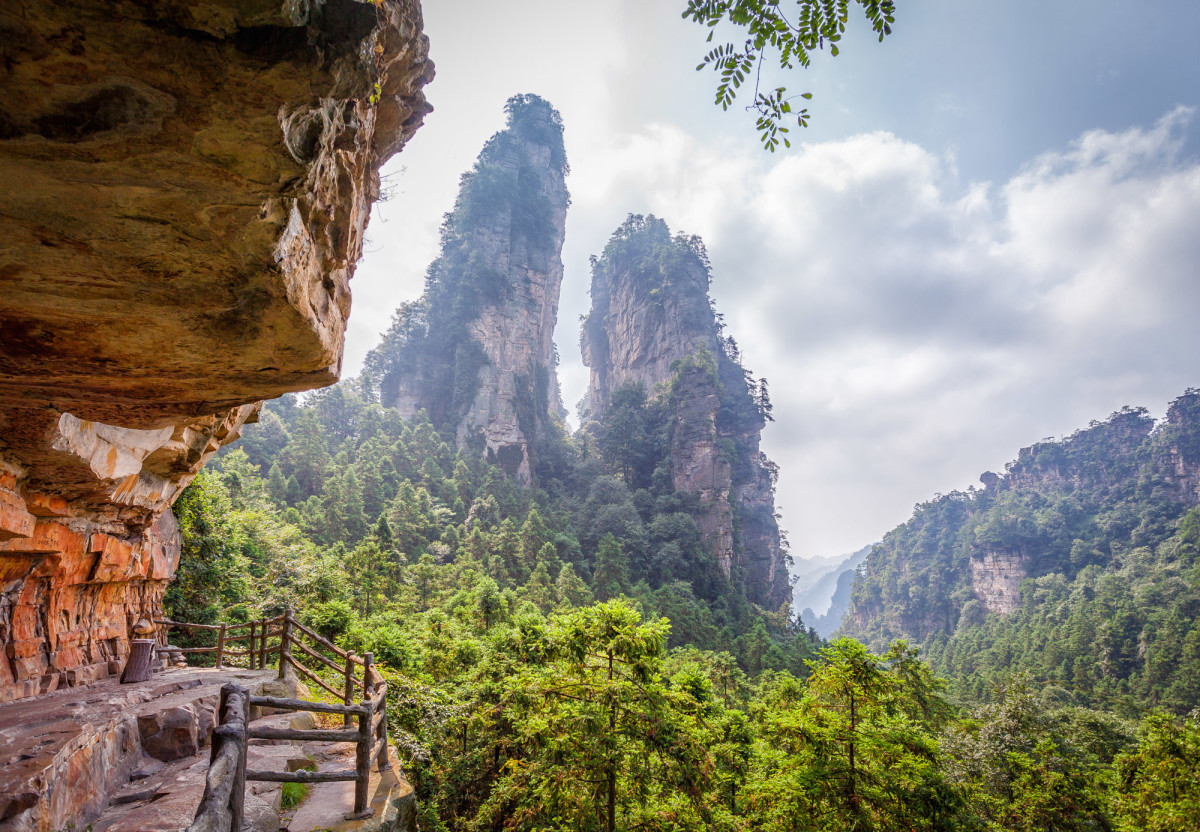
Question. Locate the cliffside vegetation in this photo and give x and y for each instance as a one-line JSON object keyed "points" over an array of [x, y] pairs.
{"points": [[536, 682], [1079, 567]]}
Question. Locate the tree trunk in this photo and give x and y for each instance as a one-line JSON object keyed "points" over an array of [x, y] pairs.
{"points": [[612, 766], [137, 668]]}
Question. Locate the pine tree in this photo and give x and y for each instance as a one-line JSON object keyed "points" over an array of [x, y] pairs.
{"points": [[570, 588], [610, 578], [355, 521], [308, 454], [277, 485], [374, 500], [533, 537], [540, 588], [293, 493], [548, 557]]}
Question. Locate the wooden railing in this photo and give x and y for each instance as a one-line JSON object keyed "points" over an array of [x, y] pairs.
{"points": [[282, 636], [257, 635], [221, 807]]}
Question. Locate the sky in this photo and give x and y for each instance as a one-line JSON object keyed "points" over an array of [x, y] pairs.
{"points": [[988, 235]]}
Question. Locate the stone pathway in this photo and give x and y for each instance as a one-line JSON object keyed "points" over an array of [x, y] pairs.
{"points": [[63, 754], [133, 758], [328, 804]]}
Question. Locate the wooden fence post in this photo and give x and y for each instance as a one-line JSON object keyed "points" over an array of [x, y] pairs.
{"points": [[250, 650], [370, 687], [362, 762], [238, 801], [285, 650], [262, 646], [220, 647], [348, 695]]}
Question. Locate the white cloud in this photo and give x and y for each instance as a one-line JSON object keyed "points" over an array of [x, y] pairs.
{"points": [[918, 330]]}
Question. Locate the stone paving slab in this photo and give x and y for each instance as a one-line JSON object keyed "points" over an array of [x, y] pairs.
{"points": [[328, 804], [64, 753]]}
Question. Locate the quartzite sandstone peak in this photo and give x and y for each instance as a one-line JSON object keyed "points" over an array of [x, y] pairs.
{"points": [[185, 191], [477, 350], [652, 323]]}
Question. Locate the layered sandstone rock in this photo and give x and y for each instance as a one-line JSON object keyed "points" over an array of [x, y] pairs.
{"points": [[477, 351], [652, 323], [996, 576], [186, 188], [1183, 422]]}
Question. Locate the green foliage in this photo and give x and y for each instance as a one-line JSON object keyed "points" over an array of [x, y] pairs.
{"points": [[1023, 766], [293, 794], [786, 33], [524, 705], [1100, 525], [852, 749], [1158, 783]]}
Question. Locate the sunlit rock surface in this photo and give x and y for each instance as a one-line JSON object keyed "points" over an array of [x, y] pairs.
{"points": [[185, 192]]}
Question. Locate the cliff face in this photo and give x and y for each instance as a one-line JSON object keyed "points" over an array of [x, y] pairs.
{"points": [[652, 323], [996, 576], [642, 320], [477, 350], [188, 186], [1183, 430]]}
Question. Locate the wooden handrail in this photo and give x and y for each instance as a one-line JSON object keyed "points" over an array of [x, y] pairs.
{"points": [[329, 662], [321, 640], [284, 704], [170, 623], [222, 806], [302, 776], [259, 632], [332, 691], [307, 735]]}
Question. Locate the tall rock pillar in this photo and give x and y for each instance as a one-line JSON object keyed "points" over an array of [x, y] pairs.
{"points": [[477, 350], [653, 323]]}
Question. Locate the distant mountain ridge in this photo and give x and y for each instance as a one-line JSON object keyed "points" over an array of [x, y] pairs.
{"points": [[1078, 566], [821, 592]]}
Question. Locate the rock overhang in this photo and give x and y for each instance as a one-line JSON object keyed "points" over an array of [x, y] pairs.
{"points": [[186, 189]]}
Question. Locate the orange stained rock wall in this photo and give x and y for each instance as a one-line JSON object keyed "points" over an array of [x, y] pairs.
{"points": [[71, 594]]}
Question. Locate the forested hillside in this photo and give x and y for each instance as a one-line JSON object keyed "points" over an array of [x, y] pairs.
{"points": [[1078, 566], [538, 683]]}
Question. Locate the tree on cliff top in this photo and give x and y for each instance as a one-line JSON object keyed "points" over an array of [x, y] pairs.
{"points": [[788, 34]]}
